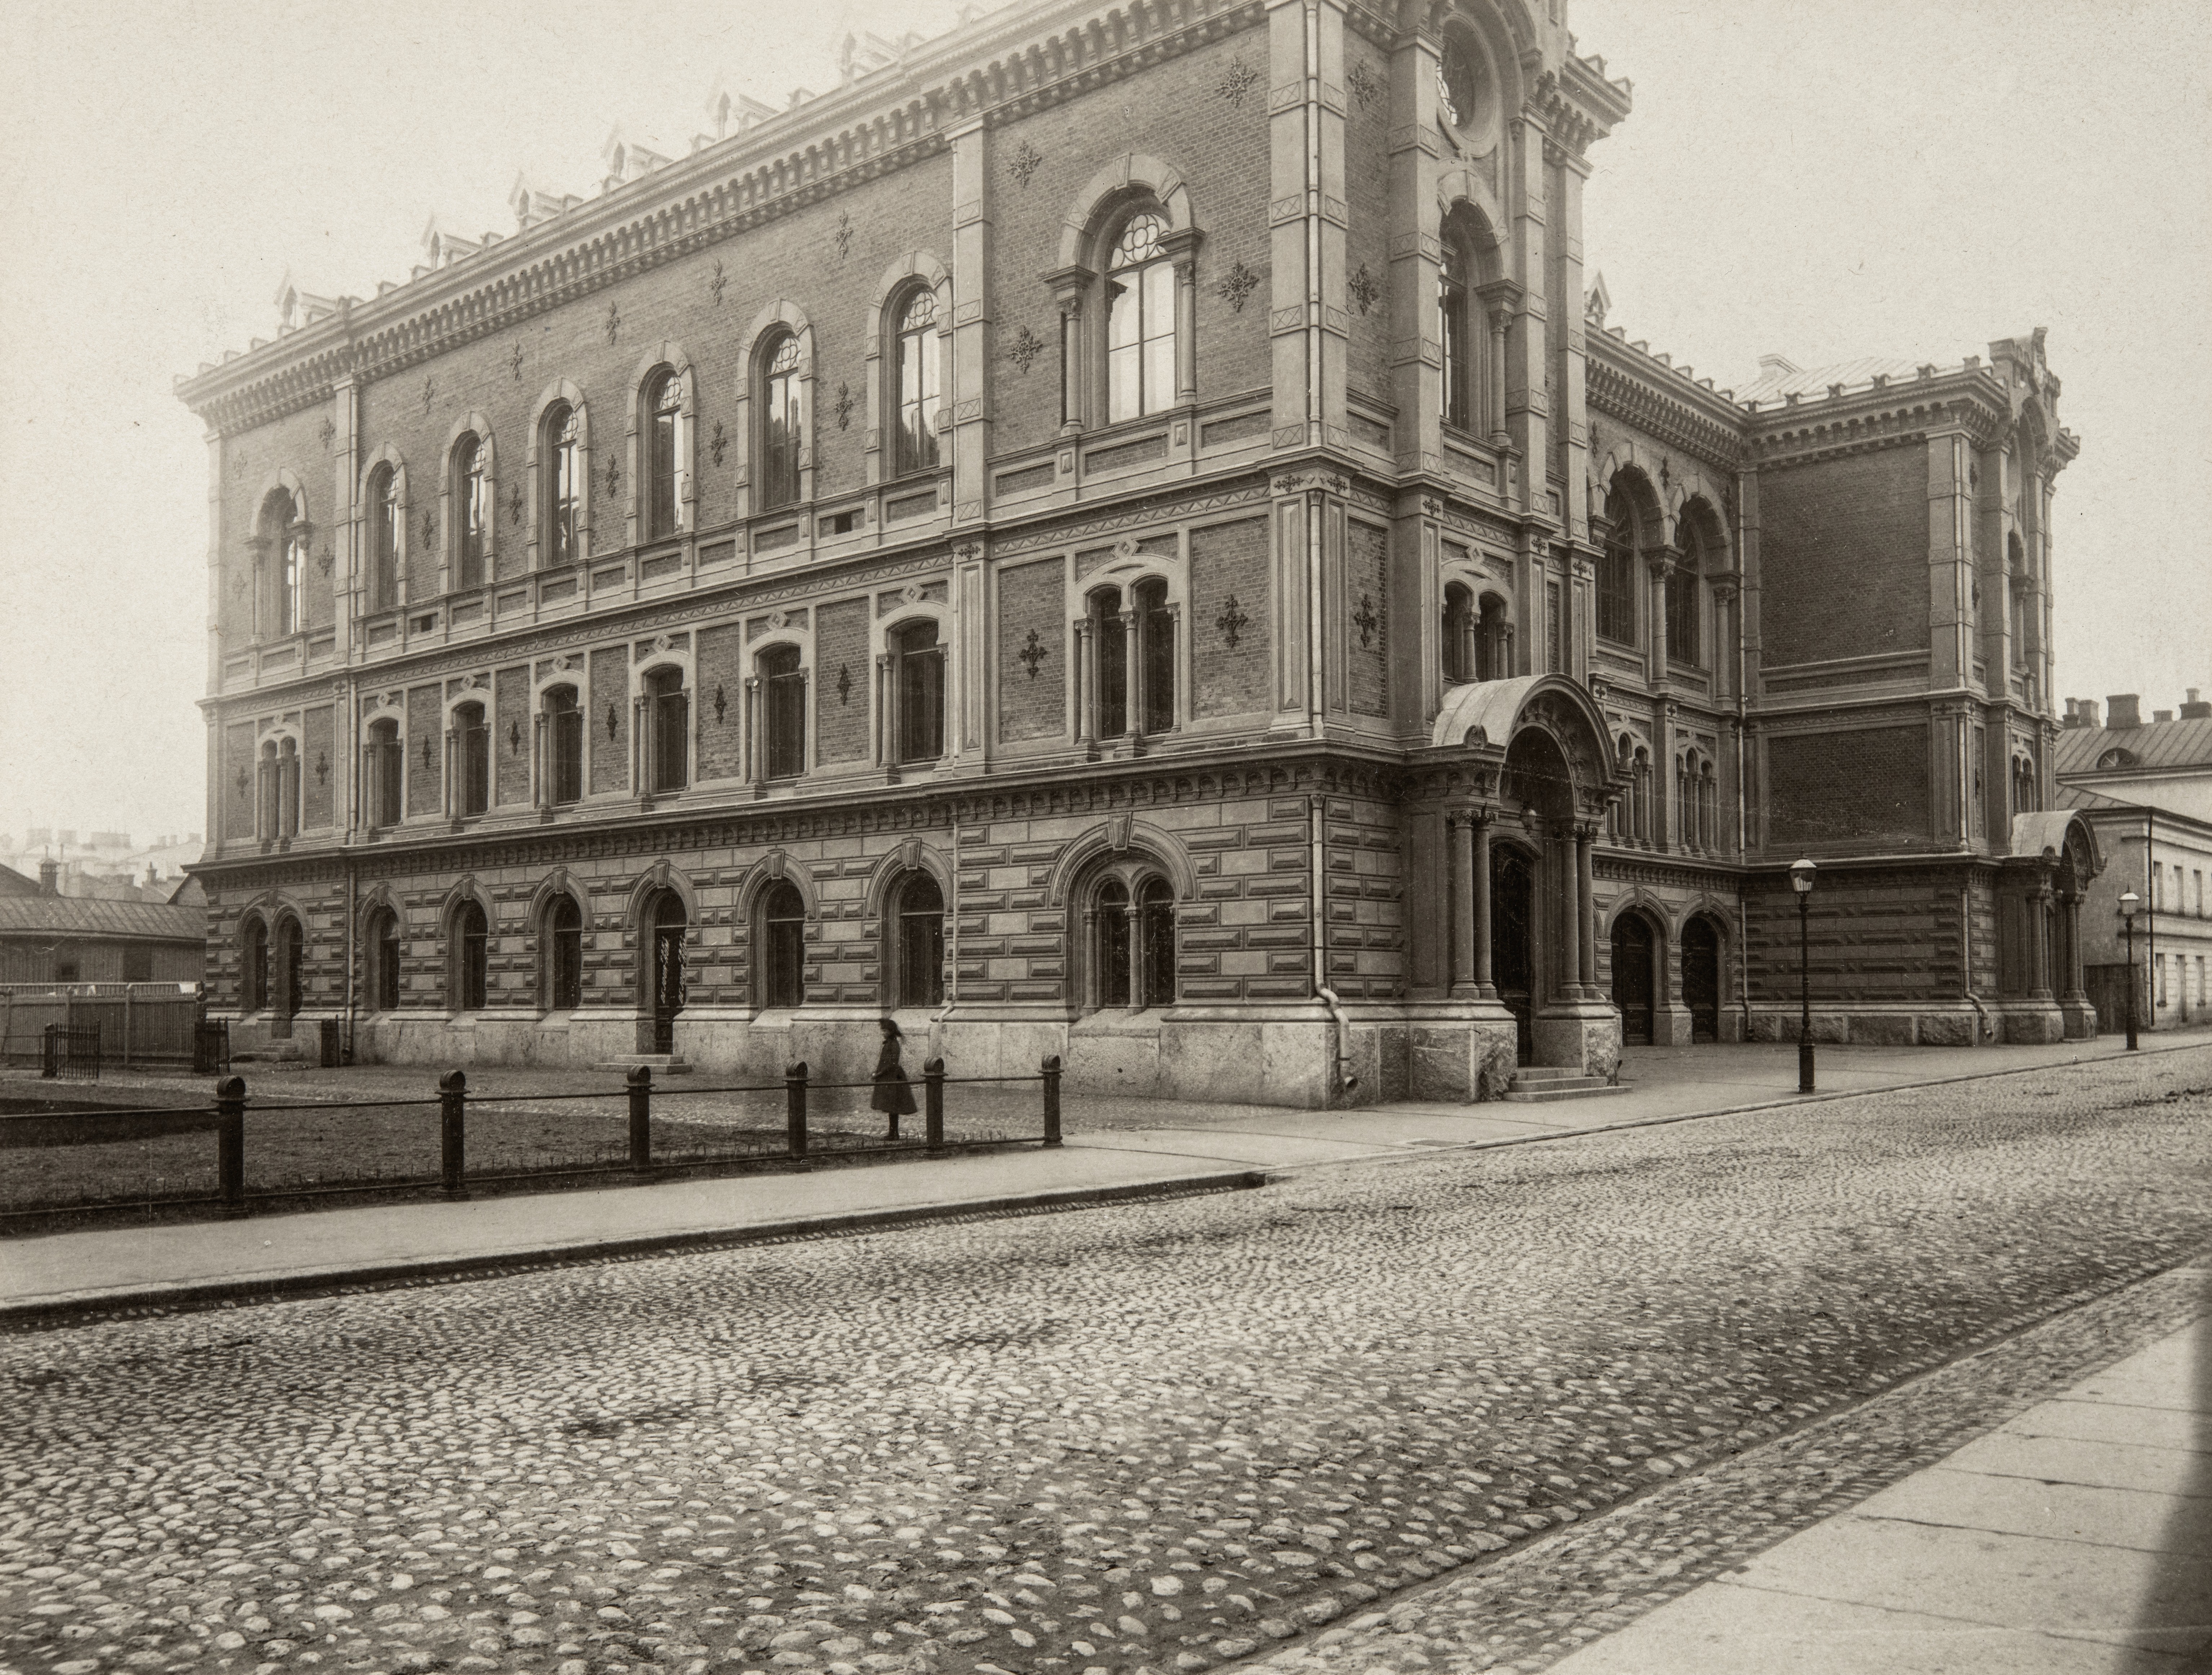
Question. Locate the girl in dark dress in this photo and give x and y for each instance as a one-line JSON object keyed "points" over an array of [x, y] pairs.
{"points": [[893, 1095]]}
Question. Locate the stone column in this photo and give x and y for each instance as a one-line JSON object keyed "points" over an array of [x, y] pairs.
{"points": [[1132, 681], [2039, 920], [1585, 910], [1186, 269], [2074, 987], [1085, 680], [1484, 985], [1463, 913]]}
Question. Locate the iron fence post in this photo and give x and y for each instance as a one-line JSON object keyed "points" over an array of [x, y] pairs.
{"points": [[230, 1144], [932, 1103], [794, 1108], [1052, 1100], [641, 1117], [452, 1100]]}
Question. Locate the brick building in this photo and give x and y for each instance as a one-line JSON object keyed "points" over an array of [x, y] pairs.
{"points": [[1229, 611]]}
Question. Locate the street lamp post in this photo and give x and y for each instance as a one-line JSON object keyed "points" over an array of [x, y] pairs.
{"points": [[2128, 903], [1801, 880]]}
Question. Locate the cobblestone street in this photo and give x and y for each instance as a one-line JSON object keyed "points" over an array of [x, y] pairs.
{"points": [[1154, 1437]]}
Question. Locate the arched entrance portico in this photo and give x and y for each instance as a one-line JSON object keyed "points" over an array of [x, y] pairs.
{"points": [[1518, 787], [2042, 995]]}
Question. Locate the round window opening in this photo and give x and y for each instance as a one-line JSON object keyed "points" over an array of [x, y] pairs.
{"points": [[1466, 93]]}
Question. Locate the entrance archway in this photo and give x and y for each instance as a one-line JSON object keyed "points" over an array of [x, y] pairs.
{"points": [[1634, 948], [664, 973], [1701, 978], [1512, 941]]}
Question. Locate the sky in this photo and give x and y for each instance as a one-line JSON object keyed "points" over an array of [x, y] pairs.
{"points": [[1819, 179]]}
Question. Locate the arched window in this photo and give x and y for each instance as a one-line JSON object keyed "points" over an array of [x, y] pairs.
{"points": [[667, 713], [1709, 806], [383, 538], [284, 538], [1455, 329], [468, 745], [918, 692], [1493, 636], [782, 946], [277, 812], [384, 766], [1110, 663], [2017, 599], [562, 776], [1155, 938], [780, 422], [914, 363], [783, 714], [1131, 921], [1156, 657], [1140, 320], [472, 513], [1616, 569], [920, 932], [562, 452], [663, 455], [383, 961], [253, 965], [470, 952], [1684, 583], [1640, 795], [1111, 916], [564, 954], [1618, 814], [1459, 642]]}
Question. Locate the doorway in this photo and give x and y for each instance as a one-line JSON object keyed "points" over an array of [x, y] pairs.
{"points": [[1512, 952], [667, 970], [1701, 979], [1633, 985]]}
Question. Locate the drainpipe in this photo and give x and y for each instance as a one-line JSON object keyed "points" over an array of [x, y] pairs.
{"points": [[2150, 920], [952, 977], [352, 879], [1983, 1025], [1340, 1029]]}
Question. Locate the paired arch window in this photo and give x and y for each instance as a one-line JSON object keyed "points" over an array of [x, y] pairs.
{"points": [[917, 692], [1631, 815], [781, 942], [253, 965], [783, 714], [665, 711], [918, 929], [564, 954], [470, 952], [384, 764], [915, 373], [1475, 638], [1697, 796], [1140, 320], [383, 940], [664, 454], [472, 511], [1132, 660], [561, 772], [780, 422], [561, 449], [1616, 569], [468, 748], [277, 814], [384, 538], [2026, 799], [1132, 927]]}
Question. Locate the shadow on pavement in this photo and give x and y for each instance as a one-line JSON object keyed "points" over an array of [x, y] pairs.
{"points": [[2174, 1617]]}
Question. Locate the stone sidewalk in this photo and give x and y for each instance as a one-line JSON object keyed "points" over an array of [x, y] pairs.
{"points": [[2077, 1536], [1114, 1150]]}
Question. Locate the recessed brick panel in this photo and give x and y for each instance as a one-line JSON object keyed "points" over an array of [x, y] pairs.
{"points": [[426, 789], [721, 665], [840, 644], [511, 741], [1367, 617], [318, 789], [608, 752], [1229, 561], [1843, 557], [1032, 701], [1846, 787]]}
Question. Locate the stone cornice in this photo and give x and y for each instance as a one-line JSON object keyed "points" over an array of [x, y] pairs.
{"points": [[993, 71], [1624, 391]]}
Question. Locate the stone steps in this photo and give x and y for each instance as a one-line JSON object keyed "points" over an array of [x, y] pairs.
{"points": [[1541, 1085]]}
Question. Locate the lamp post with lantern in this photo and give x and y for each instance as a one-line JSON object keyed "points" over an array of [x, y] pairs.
{"points": [[1801, 880], [2129, 903]]}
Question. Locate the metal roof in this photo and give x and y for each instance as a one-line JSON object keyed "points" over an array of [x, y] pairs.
{"points": [[2154, 744], [91, 916], [1818, 380]]}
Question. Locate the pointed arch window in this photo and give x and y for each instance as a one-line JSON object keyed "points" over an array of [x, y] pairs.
{"points": [[563, 773], [384, 538], [783, 945], [562, 452], [468, 744], [664, 409], [253, 966], [472, 521], [780, 421], [914, 383], [564, 954], [1140, 320], [470, 953], [383, 961]]}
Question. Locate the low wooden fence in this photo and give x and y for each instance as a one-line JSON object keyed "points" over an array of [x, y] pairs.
{"points": [[139, 1024], [70, 1163]]}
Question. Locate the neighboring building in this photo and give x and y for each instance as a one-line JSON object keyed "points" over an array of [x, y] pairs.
{"points": [[1230, 612], [46, 937], [2146, 789]]}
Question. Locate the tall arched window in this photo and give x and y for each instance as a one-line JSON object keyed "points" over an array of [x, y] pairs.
{"points": [[666, 714], [1111, 916], [384, 764], [783, 714], [284, 535], [1140, 320], [1156, 657], [563, 773], [921, 931], [472, 513], [1493, 637], [1456, 330], [470, 951], [564, 954], [1616, 569], [1156, 935], [383, 961], [780, 422], [918, 691], [562, 452], [1110, 663], [253, 965], [663, 455], [913, 383], [1458, 638], [1684, 616], [469, 742], [383, 538], [782, 945]]}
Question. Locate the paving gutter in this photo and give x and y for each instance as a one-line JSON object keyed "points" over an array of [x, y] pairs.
{"points": [[67, 1308]]}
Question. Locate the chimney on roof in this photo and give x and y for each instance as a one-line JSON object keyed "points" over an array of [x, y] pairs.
{"points": [[50, 877], [2162, 715], [2089, 714], [2073, 714], [1777, 366], [2196, 709], [2124, 711]]}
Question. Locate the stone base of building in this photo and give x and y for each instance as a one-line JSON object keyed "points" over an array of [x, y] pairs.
{"points": [[1934, 1023], [2080, 1015], [1583, 1035], [1460, 1053]]}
